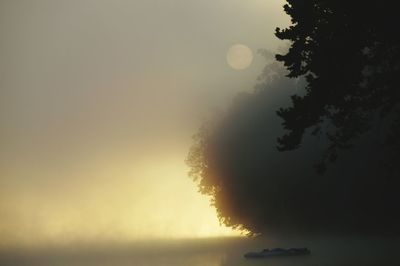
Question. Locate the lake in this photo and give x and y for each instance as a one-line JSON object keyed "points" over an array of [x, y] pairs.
{"points": [[212, 252]]}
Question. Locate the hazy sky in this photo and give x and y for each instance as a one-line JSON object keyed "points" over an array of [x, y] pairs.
{"points": [[98, 103]]}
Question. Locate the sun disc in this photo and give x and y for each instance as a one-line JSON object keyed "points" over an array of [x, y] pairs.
{"points": [[239, 56]]}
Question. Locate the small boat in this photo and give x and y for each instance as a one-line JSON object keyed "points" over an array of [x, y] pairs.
{"points": [[277, 252]]}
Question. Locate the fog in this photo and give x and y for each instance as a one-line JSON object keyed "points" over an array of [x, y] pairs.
{"points": [[98, 103]]}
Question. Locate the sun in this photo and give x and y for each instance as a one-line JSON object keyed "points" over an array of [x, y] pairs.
{"points": [[239, 56]]}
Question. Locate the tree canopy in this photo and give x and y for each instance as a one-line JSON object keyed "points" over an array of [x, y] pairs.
{"points": [[337, 90], [349, 54]]}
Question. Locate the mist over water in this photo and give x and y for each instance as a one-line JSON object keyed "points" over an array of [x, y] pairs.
{"points": [[99, 100], [325, 250], [98, 103]]}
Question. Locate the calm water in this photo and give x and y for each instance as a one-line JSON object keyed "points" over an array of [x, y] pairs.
{"points": [[217, 252]]}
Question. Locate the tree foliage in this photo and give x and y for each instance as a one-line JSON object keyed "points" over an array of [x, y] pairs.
{"points": [[255, 187], [233, 153], [342, 68], [349, 53]]}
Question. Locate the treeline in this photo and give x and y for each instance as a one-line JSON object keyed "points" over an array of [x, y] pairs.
{"points": [[315, 147], [235, 159]]}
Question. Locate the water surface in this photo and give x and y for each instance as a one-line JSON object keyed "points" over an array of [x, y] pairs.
{"points": [[212, 252]]}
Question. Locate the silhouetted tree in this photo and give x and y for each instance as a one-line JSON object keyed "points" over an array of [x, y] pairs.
{"points": [[255, 187], [235, 161], [345, 57], [349, 54]]}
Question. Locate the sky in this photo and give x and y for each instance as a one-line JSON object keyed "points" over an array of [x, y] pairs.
{"points": [[99, 100]]}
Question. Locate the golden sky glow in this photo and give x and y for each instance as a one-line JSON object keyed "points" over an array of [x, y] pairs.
{"points": [[119, 206], [98, 103]]}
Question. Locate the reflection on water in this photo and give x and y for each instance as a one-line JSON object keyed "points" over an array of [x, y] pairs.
{"points": [[216, 252]]}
